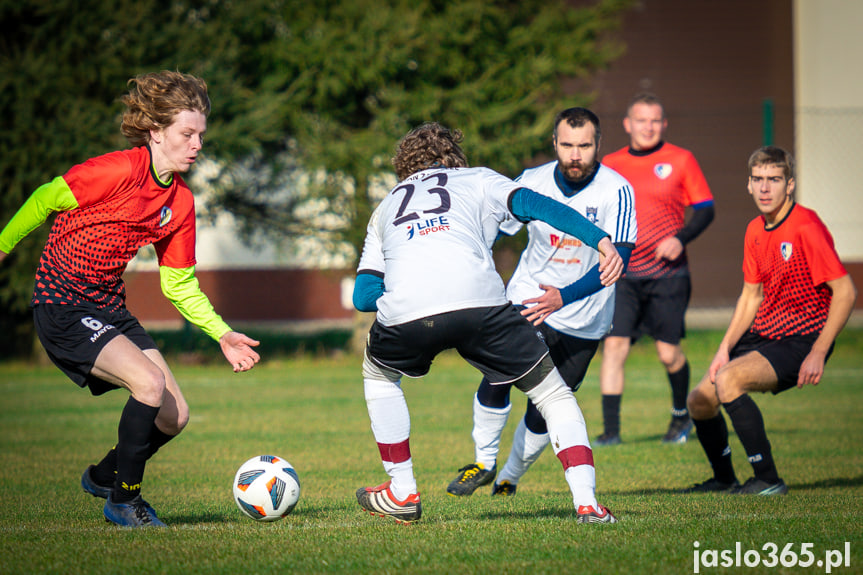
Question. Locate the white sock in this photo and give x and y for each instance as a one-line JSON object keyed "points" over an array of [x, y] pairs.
{"points": [[568, 434], [582, 484], [391, 425], [488, 424], [527, 446]]}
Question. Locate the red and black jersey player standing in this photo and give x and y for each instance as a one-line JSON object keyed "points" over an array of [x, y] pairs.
{"points": [[109, 207], [797, 297], [653, 296]]}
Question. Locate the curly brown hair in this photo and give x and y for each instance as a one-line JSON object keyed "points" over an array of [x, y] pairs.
{"points": [[428, 146], [156, 98]]}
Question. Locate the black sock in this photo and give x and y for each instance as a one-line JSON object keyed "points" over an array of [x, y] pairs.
{"points": [[611, 414], [158, 438], [749, 425], [713, 435], [104, 472], [495, 396], [133, 448], [679, 381]]}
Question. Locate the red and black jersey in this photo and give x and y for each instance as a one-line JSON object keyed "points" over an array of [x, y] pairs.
{"points": [[666, 180], [122, 206], [792, 261]]}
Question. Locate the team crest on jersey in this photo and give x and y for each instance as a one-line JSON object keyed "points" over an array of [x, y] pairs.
{"points": [[165, 216], [591, 214], [785, 249], [662, 171]]}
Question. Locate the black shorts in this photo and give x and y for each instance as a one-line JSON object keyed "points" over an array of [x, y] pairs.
{"points": [[498, 341], [656, 307], [74, 336], [784, 355], [571, 355]]}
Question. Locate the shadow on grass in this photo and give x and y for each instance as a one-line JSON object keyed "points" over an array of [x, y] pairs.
{"points": [[831, 483]]}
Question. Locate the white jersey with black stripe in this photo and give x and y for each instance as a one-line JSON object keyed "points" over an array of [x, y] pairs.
{"points": [[557, 259], [430, 240]]}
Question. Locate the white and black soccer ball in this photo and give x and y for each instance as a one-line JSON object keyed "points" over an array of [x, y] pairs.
{"points": [[266, 488]]}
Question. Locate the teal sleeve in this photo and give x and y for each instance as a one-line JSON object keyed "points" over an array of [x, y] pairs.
{"points": [[368, 287], [181, 288], [589, 283], [55, 196], [527, 205]]}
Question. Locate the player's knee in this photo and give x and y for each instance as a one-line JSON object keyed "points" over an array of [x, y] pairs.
{"points": [[728, 386], [700, 403], [149, 387], [671, 356], [615, 350], [182, 419]]}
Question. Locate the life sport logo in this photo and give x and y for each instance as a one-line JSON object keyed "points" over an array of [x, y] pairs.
{"points": [[429, 226]]}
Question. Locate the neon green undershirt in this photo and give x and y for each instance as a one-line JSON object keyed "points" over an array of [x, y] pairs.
{"points": [[55, 196], [178, 284], [181, 288]]}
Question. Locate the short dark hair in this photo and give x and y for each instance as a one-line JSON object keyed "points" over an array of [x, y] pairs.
{"points": [[576, 118], [645, 98], [773, 156]]}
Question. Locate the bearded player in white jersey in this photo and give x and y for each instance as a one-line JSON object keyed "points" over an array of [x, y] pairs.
{"points": [[427, 269], [556, 286]]}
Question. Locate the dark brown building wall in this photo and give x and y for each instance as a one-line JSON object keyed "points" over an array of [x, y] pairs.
{"points": [[248, 295], [713, 64]]}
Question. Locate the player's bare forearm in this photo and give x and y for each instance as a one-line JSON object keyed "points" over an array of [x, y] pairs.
{"points": [[744, 314], [841, 305], [2, 255], [237, 348]]}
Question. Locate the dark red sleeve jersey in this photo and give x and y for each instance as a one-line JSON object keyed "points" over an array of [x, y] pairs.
{"points": [[665, 181], [122, 206], [793, 261]]}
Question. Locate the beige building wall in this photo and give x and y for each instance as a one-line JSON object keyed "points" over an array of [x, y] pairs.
{"points": [[828, 66]]}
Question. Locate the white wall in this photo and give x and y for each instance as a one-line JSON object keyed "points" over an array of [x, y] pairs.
{"points": [[829, 116]]}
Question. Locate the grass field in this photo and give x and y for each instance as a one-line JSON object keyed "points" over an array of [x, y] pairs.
{"points": [[311, 411]]}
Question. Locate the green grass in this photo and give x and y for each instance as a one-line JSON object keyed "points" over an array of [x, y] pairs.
{"points": [[311, 411]]}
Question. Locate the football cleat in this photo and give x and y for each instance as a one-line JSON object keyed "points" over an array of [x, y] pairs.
{"points": [[504, 488], [134, 513], [470, 478], [755, 486], [587, 514], [380, 501], [93, 488], [678, 430], [606, 439], [712, 485]]}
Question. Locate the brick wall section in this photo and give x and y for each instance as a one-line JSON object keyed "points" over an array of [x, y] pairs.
{"points": [[248, 295]]}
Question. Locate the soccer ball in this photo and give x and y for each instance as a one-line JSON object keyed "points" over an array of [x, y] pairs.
{"points": [[266, 488]]}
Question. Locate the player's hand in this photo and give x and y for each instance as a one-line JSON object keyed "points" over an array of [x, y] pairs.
{"points": [[811, 369], [237, 348], [669, 249], [546, 304], [610, 263], [719, 361]]}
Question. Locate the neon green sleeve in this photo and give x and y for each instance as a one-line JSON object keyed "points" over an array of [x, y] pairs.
{"points": [[181, 288], [55, 196]]}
